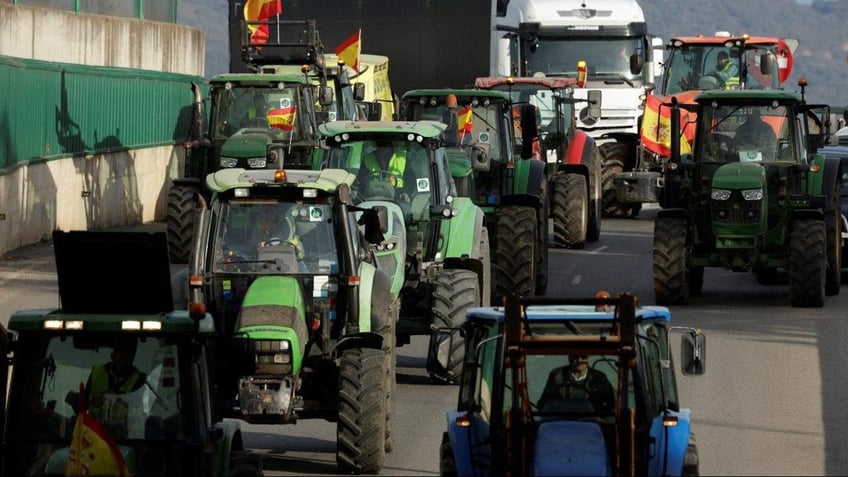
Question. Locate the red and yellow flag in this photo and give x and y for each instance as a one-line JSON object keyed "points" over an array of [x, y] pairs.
{"points": [[93, 451], [260, 11], [464, 121], [656, 128], [282, 118], [348, 51]]}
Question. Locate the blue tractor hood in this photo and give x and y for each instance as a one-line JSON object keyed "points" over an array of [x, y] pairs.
{"points": [[586, 449]]}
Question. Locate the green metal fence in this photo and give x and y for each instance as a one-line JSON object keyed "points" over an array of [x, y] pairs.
{"points": [[54, 110]]}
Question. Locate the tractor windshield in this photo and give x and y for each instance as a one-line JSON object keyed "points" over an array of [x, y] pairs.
{"points": [[128, 387], [734, 133], [269, 109], [470, 123], [259, 236], [714, 66]]}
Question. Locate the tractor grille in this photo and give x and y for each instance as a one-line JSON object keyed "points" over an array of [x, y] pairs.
{"points": [[736, 210]]}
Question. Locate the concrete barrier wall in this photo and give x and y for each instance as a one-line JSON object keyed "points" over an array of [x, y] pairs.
{"points": [[98, 191]]}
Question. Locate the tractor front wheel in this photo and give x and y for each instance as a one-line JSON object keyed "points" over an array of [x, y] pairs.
{"points": [[570, 210], [454, 292], [516, 251], [360, 432], [180, 221], [807, 263], [671, 275]]}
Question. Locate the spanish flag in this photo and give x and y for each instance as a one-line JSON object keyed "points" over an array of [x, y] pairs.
{"points": [[656, 128], [93, 451], [282, 118], [260, 11], [464, 121], [348, 51]]}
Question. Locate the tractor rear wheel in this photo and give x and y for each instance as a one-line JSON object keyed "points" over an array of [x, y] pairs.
{"points": [[454, 292], [542, 241], [515, 256], [807, 263], [671, 275], [570, 210], [613, 157], [593, 233], [360, 431], [180, 221]]}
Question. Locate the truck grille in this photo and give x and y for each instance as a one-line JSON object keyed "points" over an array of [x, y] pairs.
{"points": [[736, 210]]}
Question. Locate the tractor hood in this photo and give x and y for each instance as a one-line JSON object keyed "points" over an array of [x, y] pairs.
{"points": [[113, 272], [246, 145], [739, 176], [565, 448]]}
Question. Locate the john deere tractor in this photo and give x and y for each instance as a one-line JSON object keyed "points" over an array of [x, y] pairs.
{"points": [[66, 415], [438, 239], [500, 177], [307, 316], [263, 119], [753, 196]]}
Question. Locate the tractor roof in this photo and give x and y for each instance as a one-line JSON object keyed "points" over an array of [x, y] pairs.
{"points": [[721, 40], [268, 74], [559, 313], [552, 83], [427, 129], [459, 93], [327, 180], [752, 95]]}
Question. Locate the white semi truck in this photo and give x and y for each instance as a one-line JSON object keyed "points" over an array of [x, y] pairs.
{"points": [[621, 59]]}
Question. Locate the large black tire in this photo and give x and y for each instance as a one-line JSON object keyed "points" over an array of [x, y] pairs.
{"points": [[596, 209], [833, 279], [613, 157], [691, 463], [454, 292], [671, 280], [360, 431], [487, 285], [515, 256], [542, 242], [447, 460], [180, 221], [385, 311], [807, 263], [570, 210]]}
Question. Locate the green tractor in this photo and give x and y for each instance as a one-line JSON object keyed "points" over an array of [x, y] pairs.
{"points": [[283, 260], [436, 240], [264, 119], [497, 171], [115, 290], [753, 196]]}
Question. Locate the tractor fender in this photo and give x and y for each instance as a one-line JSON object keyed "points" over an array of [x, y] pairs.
{"points": [[375, 298], [229, 442], [528, 175], [475, 260], [669, 461], [188, 181], [825, 181], [460, 442], [806, 214], [463, 230], [358, 340], [579, 153]]}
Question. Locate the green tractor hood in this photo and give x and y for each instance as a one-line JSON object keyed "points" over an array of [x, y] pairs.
{"points": [[246, 145], [739, 176]]}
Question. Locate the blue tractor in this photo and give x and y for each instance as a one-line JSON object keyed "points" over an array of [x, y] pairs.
{"points": [[518, 414]]}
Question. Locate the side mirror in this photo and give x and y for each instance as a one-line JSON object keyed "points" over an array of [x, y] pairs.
{"points": [[376, 222], [766, 64], [529, 130], [636, 63], [593, 96], [481, 160], [438, 352], [693, 353], [326, 96], [358, 91], [375, 111]]}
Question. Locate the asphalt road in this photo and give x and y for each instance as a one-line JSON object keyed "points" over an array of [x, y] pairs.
{"points": [[771, 402]]}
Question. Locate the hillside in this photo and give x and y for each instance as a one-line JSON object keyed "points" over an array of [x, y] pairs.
{"points": [[819, 26]]}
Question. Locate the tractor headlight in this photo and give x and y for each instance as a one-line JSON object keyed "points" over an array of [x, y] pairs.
{"points": [[752, 194], [720, 194], [229, 162], [257, 162]]}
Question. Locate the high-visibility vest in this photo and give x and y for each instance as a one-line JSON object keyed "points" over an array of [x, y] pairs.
{"points": [[100, 381], [731, 80], [397, 165]]}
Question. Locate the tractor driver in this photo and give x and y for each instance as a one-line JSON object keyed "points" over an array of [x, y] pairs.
{"points": [[257, 113], [726, 70], [577, 386], [275, 227], [387, 164]]}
